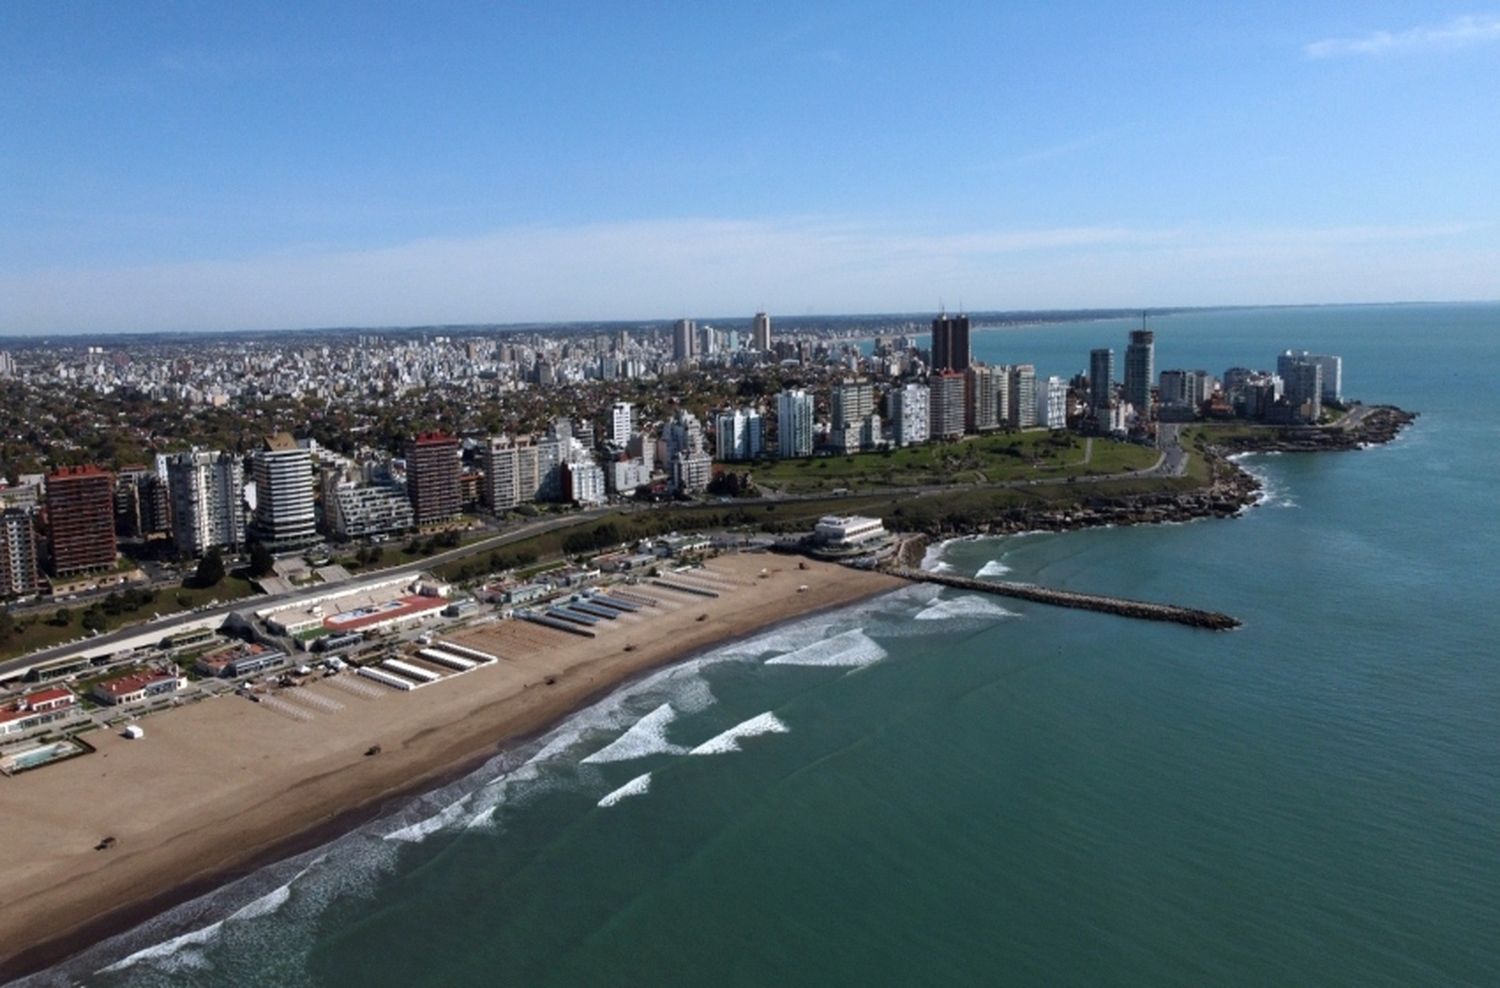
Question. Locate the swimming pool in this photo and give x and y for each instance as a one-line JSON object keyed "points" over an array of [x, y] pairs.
{"points": [[41, 755]]}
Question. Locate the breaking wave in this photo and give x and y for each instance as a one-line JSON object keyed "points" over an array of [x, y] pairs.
{"points": [[967, 606], [992, 568], [637, 786], [852, 648], [647, 736], [728, 741]]}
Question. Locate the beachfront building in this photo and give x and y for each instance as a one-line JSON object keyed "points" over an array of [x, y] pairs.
{"points": [[208, 501], [81, 519], [284, 517], [847, 531], [143, 684], [1101, 378], [142, 505], [946, 405], [1331, 370], [1052, 403], [1022, 411], [432, 469], [691, 472], [909, 415], [739, 434], [583, 482], [36, 710], [353, 510], [1140, 359], [950, 343], [794, 424], [18, 562], [1304, 390], [240, 660], [511, 470], [987, 388]]}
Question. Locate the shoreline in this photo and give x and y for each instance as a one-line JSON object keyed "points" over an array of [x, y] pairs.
{"points": [[1231, 491], [76, 925]]}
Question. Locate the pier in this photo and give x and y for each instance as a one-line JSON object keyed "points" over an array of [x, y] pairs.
{"points": [[1145, 610]]}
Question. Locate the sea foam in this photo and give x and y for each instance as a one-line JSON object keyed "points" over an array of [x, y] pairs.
{"points": [[852, 648], [647, 736], [637, 786], [721, 744], [992, 568], [967, 606]]}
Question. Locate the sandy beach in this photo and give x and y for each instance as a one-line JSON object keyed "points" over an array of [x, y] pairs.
{"points": [[222, 786]]}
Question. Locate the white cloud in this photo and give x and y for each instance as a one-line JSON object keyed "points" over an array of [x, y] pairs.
{"points": [[710, 267], [1460, 32]]}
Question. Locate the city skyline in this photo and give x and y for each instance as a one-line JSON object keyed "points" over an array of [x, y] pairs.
{"points": [[427, 168]]}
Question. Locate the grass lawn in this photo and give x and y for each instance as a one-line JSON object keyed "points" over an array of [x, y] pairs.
{"points": [[37, 630], [994, 458]]}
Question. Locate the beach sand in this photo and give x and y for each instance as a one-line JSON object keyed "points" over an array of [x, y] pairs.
{"points": [[220, 787]]}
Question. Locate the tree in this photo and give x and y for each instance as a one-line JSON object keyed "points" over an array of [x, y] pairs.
{"points": [[262, 563], [210, 569], [61, 617], [94, 620]]}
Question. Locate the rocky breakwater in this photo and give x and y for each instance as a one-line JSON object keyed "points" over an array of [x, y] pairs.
{"points": [[1145, 610], [1360, 427]]}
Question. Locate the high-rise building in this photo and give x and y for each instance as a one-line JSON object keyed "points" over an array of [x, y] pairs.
{"points": [[1332, 368], [208, 501], [983, 411], [621, 423], [1022, 411], [1140, 360], [684, 341], [1304, 389], [1052, 403], [583, 483], [354, 510], [284, 516], [683, 433], [794, 424], [1101, 377], [851, 402], [432, 468], [909, 416], [760, 332], [506, 482], [18, 569], [950, 343], [738, 434], [142, 505], [946, 405], [691, 471], [81, 519], [7, 365]]}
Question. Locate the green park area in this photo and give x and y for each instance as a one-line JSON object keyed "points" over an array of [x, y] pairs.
{"points": [[36, 628], [990, 459]]}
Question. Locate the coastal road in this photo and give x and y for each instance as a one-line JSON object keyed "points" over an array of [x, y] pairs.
{"points": [[165, 624], [1172, 463]]}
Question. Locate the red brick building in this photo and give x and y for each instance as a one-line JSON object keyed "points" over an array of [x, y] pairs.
{"points": [[81, 519], [432, 471]]}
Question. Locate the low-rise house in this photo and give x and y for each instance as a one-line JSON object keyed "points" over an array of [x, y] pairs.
{"points": [[240, 660], [37, 709], [139, 685]]}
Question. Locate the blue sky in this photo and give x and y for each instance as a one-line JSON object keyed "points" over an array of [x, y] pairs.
{"points": [[257, 165]]}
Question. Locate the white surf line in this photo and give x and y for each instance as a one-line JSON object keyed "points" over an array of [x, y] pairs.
{"points": [[728, 741]]}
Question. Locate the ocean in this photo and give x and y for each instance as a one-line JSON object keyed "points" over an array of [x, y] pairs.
{"points": [[940, 788]]}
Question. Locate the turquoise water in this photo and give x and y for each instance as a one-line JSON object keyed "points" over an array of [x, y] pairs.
{"points": [[935, 789]]}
